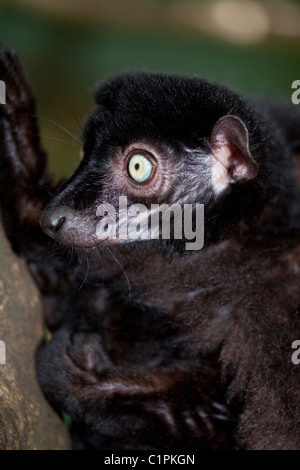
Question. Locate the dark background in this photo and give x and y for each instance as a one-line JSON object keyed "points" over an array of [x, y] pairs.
{"points": [[67, 46]]}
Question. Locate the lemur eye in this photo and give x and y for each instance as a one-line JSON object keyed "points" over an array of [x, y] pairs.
{"points": [[140, 168]]}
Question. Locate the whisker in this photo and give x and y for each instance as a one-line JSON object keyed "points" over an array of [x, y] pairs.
{"points": [[56, 139], [123, 270], [62, 128], [62, 104], [72, 111], [86, 274], [79, 263]]}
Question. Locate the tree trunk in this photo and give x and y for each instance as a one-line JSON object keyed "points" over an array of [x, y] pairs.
{"points": [[26, 419]]}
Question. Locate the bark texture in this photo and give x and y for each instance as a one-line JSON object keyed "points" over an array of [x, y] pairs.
{"points": [[26, 419]]}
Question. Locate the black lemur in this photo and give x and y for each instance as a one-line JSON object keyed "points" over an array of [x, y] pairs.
{"points": [[153, 346]]}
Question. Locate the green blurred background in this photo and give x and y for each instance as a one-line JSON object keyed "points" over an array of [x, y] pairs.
{"points": [[67, 46]]}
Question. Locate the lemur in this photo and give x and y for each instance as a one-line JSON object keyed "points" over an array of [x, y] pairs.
{"points": [[154, 346]]}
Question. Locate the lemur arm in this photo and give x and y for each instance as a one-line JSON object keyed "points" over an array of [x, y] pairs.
{"points": [[134, 407], [24, 181]]}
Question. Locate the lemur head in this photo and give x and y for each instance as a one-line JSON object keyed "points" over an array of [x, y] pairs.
{"points": [[162, 139]]}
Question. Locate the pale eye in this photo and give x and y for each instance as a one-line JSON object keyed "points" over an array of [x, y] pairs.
{"points": [[140, 168]]}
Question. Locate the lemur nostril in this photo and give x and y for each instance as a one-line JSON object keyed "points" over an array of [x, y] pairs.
{"points": [[51, 223], [59, 223]]}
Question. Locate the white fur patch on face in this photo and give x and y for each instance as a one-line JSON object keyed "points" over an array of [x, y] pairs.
{"points": [[219, 176]]}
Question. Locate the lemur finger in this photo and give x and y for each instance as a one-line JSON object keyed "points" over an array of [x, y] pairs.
{"points": [[20, 142]]}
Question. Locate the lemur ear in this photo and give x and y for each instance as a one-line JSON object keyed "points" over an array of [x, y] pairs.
{"points": [[232, 160]]}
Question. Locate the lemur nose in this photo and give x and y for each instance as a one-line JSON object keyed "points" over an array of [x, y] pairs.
{"points": [[51, 221]]}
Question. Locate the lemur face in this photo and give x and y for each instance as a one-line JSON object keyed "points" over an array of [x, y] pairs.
{"points": [[154, 139]]}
